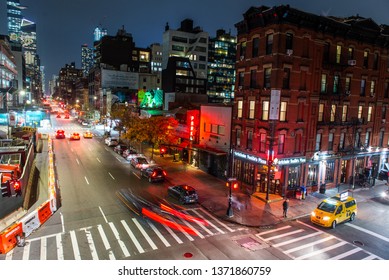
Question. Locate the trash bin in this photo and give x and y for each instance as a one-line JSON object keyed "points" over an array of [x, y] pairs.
{"points": [[303, 192], [322, 188]]}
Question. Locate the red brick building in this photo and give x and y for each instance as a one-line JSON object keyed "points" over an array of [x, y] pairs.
{"points": [[333, 78]]}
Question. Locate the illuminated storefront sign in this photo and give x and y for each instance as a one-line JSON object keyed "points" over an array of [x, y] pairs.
{"points": [[289, 161], [283, 161], [249, 157]]}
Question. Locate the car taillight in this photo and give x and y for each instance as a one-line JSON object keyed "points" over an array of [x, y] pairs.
{"points": [[164, 173], [154, 174]]}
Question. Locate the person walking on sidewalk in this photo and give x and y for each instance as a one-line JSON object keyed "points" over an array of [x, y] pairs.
{"points": [[285, 207]]}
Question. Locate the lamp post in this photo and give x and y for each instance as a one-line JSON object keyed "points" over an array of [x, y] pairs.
{"points": [[230, 212]]}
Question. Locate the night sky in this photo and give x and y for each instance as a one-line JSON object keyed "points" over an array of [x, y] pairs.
{"points": [[63, 26]]}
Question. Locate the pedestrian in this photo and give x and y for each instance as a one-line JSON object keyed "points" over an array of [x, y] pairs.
{"points": [[285, 206]]}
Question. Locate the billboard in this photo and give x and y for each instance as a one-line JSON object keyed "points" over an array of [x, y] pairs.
{"points": [[152, 99], [119, 79]]}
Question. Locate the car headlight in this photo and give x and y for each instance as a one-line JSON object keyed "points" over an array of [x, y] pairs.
{"points": [[384, 194], [313, 214], [326, 218]]}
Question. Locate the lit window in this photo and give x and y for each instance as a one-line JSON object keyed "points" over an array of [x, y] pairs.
{"points": [[252, 109], [265, 110], [283, 107], [321, 112], [240, 108]]}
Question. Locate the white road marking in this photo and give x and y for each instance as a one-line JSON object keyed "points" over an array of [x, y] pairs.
{"points": [[58, 240], [91, 244], [132, 236], [368, 232], [77, 161], [152, 244], [76, 251], [345, 254], [121, 243], [43, 248], [195, 230], [163, 239], [26, 251], [98, 160], [209, 222], [111, 176], [218, 221], [106, 243], [173, 234], [306, 245], [273, 230], [86, 180], [297, 239], [317, 252], [102, 213], [283, 235], [62, 222]]}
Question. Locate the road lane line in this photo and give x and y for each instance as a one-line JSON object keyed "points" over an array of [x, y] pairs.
{"points": [[208, 221], [118, 159], [121, 243], [144, 233], [200, 224], [58, 241], [43, 249], [102, 213], [132, 236], [218, 221], [317, 252], [297, 239], [283, 235], [173, 234], [26, 251], [62, 222], [98, 160], [92, 247], [111, 176], [163, 239], [309, 244], [368, 232], [345, 254], [76, 251], [86, 180], [77, 161], [137, 175], [273, 230], [106, 243]]}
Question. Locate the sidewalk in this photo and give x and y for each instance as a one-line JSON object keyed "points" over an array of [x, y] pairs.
{"points": [[253, 211]]}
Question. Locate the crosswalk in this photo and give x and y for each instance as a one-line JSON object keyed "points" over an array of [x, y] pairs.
{"points": [[120, 239], [305, 242]]}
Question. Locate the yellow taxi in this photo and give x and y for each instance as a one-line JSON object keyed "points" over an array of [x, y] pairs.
{"points": [[75, 136], [88, 134], [335, 210]]}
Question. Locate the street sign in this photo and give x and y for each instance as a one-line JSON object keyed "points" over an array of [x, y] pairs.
{"points": [[274, 104], [231, 179]]}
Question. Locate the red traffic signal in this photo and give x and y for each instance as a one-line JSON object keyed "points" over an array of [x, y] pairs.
{"points": [[17, 187], [235, 185]]}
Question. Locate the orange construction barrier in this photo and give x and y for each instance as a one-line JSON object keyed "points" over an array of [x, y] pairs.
{"points": [[8, 238], [44, 212]]}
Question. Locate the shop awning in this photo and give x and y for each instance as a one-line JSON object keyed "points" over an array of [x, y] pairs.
{"points": [[209, 150]]}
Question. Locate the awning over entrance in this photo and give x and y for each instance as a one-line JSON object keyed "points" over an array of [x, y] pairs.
{"points": [[183, 145], [209, 150]]}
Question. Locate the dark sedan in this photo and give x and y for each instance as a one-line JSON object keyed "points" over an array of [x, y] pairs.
{"points": [[183, 193], [154, 174]]}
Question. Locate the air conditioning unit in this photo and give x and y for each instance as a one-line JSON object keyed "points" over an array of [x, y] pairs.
{"points": [[352, 62], [289, 52], [348, 92]]}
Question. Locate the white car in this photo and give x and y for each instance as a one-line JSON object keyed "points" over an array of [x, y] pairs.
{"points": [[131, 156], [111, 141], [140, 162]]}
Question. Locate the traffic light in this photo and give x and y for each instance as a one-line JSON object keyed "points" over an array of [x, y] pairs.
{"points": [[6, 189], [235, 185], [17, 187], [162, 151]]}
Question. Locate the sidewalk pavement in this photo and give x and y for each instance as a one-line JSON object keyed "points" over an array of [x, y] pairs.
{"points": [[253, 211]]}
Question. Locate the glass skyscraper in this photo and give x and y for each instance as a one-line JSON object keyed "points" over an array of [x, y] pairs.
{"points": [[15, 17]]}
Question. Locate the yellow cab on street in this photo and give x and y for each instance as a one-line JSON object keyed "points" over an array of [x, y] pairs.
{"points": [[334, 210]]}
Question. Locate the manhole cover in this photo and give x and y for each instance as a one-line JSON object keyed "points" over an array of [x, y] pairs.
{"points": [[358, 243], [249, 243], [188, 255]]}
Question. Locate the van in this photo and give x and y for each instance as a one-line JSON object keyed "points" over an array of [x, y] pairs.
{"points": [[335, 210]]}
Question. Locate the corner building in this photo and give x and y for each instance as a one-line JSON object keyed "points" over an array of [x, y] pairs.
{"points": [[333, 78]]}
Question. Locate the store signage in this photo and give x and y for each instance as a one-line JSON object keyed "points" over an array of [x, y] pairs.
{"points": [[288, 161], [249, 157]]}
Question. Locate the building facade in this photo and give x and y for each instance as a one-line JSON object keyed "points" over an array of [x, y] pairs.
{"points": [[311, 97]]}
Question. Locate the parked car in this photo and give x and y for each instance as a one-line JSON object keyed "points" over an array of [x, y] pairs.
{"points": [[67, 116], [120, 149], [183, 193], [129, 152], [58, 116], [60, 134], [383, 174], [88, 134], [154, 173], [139, 162], [111, 141], [75, 136]]}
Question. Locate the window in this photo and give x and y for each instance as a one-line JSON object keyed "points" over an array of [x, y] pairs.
{"points": [[350, 53], [240, 108], [326, 52], [369, 113], [372, 88], [255, 49], [335, 88], [249, 139], [360, 110], [381, 139], [281, 143], [253, 78], [366, 59], [367, 139], [297, 143], [269, 44], [330, 142], [344, 113], [323, 84], [357, 140], [347, 84], [318, 142], [383, 112], [338, 53], [238, 135], [267, 78], [363, 87], [300, 112], [252, 109], [241, 79], [341, 140], [286, 78], [283, 107], [321, 113], [265, 110], [375, 63], [333, 113], [262, 143], [289, 41], [243, 49]]}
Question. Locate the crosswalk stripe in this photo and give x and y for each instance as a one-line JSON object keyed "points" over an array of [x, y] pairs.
{"points": [[132, 236], [43, 248], [208, 221], [26, 251], [345, 254], [106, 244], [297, 239], [173, 234], [91, 244], [201, 225], [121, 243], [9, 255], [317, 252], [58, 240], [218, 221], [76, 251], [184, 232], [158, 233], [370, 257], [152, 244], [309, 244], [193, 228], [273, 230], [283, 235]]}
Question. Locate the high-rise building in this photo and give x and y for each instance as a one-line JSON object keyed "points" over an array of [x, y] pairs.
{"points": [[99, 33], [86, 59], [156, 58], [28, 40], [187, 41], [221, 67], [15, 17]]}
